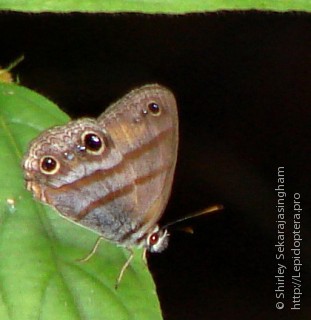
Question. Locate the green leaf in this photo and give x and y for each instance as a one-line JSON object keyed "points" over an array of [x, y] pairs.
{"points": [[153, 6], [40, 277]]}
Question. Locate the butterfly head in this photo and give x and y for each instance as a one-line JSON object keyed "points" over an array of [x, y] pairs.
{"points": [[157, 239]]}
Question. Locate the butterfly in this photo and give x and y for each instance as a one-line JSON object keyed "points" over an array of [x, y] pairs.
{"points": [[112, 174]]}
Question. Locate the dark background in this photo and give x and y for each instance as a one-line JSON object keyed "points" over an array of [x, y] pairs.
{"points": [[243, 83]]}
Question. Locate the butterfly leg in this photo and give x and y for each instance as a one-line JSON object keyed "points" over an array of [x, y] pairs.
{"points": [[126, 264], [89, 256], [144, 256]]}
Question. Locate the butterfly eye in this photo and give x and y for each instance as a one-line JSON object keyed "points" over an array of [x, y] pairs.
{"points": [[93, 143], [157, 241], [153, 239], [154, 108], [49, 165]]}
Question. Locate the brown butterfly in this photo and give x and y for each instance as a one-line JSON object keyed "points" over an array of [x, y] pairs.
{"points": [[112, 174]]}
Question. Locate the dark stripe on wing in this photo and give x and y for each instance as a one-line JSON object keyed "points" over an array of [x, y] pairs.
{"points": [[118, 193], [104, 174]]}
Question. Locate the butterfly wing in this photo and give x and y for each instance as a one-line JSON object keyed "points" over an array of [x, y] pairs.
{"points": [[114, 174], [144, 126]]}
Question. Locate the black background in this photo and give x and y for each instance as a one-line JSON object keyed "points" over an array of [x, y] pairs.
{"points": [[242, 81]]}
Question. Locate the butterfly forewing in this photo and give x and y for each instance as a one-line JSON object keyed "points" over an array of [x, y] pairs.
{"points": [[144, 126]]}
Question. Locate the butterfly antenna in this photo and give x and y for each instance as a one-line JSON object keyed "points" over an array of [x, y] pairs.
{"points": [[211, 209]]}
